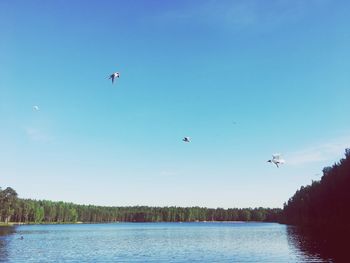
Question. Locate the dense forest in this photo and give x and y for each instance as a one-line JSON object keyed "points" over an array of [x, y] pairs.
{"points": [[325, 202], [14, 209]]}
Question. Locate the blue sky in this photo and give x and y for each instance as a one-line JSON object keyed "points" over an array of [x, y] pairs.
{"points": [[243, 79]]}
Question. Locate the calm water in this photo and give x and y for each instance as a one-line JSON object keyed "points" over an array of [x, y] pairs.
{"points": [[159, 242]]}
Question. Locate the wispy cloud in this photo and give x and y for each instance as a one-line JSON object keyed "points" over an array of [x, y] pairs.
{"points": [[324, 152], [37, 135], [243, 14]]}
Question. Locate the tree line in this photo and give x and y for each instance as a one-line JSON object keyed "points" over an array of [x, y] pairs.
{"points": [[14, 209], [324, 203]]}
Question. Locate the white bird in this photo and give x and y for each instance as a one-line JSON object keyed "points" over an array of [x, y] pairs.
{"points": [[114, 75], [186, 139], [35, 108], [276, 159]]}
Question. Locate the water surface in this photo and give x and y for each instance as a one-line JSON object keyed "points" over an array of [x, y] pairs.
{"points": [[156, 242]]}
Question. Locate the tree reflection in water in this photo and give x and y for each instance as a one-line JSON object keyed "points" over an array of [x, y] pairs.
{"points": [[315, 245], [5, 232]]}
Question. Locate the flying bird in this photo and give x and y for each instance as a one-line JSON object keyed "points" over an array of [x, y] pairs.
{"points": [[114, 75], [35, 108], [186, 139], [276, 159]]}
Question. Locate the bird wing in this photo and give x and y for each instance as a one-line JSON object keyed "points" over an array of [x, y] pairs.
{"points": [[276, 156]]}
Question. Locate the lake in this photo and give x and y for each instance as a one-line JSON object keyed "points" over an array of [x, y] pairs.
{"points": [[160, 242]]}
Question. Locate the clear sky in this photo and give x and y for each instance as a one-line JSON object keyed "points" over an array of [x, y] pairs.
{"points": [[243, 79]]}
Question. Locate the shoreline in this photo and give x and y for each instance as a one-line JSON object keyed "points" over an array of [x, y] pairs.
{"points": [[10, 224]]}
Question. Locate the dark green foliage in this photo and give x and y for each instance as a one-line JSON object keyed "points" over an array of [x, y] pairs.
{"points": [[28, 211], [325, 202], [8, 200]]}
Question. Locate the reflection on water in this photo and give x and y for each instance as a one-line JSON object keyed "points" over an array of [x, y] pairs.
{"points": [[5, 236], [169, 242], [328, 245]]}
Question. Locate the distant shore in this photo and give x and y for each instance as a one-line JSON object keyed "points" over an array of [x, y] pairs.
{"points": [[9, 224], [42, 223]]}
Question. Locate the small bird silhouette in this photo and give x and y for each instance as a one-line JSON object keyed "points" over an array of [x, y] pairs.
{"points": [[114, 75], [276, 159], [186, 139]]}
